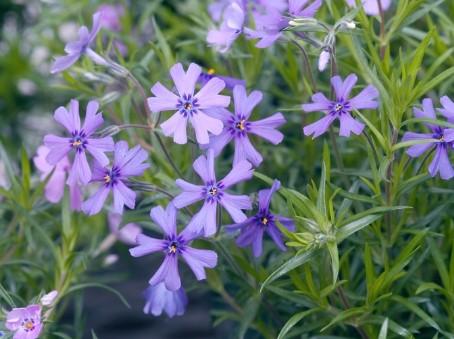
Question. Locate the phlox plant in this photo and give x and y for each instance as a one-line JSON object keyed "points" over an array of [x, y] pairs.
{"points": [[290, 161]]}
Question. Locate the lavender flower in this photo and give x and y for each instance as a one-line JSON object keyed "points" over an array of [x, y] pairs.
{"points": [[270, 24], [237, 127], [25, 322], [213, 192], [126, 234], [252, 229], [444, 140], [230, 29], [173, 246], [341, 107], [371, 6], [75, 50], [230, 82], [80, 141], [111, 16], [127, 163], [189, 106], [55, 187], [159, 299]]}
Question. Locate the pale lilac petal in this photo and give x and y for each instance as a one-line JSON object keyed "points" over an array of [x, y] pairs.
{"points": [[198, 259], [347, 86], [80, 171], [203, 124], [128, 233], [130, 161], [244, 104], [146, 245], [218, 142], [63, 62], [365, 99], [164, 99], [165, 219], [208, 95], [264, 196], [266, 128], [75, 197], [187, 198], [320, 103], [69, 119], [416, 150], [55, 187], [338, 86], [448, 108], [168, 272], [240, 172], [58, 148], [234, 17], [448, 135], [98, 147], [234, 205], [95, 203], [93, 119], [96, 26], [245, 151], [204, 167], [176, 126], [122, 195], [310, 10], [222, 40], [320, 126], [349, 125], [185, 82], [204, 220], [238, 226], [441, 164]]}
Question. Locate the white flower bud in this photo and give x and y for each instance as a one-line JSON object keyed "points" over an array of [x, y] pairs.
{"points": [[323, 60], [49, 298]]}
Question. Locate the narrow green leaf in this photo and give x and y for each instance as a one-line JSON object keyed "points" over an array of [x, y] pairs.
{"points": [[384, 330], [296, 318]]}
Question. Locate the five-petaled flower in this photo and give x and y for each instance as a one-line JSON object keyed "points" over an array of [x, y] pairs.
{"points": [[440, 139], [253, 228], [237, 127], [127, 163], [173, 246], [75, 50], [340, 107], [80, 141], [189, 106], [159, 299], [214, 192], [25, 322]]}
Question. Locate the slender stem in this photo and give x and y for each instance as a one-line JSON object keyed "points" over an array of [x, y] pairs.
{"points": [[231, 302], [306, 65], [167, 155], [371, 144], [344, 300], [388, 184], [382, 29]]}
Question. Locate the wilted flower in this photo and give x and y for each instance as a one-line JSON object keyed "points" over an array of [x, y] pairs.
{"points": [[230, 29], [111, 16], [253, 228], [213, 192], [55, 187], [323, 60], [237, 127], [159, 299], [444, 141], [371, 6], [230, 82], [189, 106], [49, 298], [25, 322], [74, 50], [127, 163], [80, 141], [341, 107], [126, 234], [173, 246]]}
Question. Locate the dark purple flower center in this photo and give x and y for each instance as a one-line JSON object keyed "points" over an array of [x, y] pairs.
{"points": [[213, 191], [264, 218], [78, 141], [438, 133], [28, 324], [239, 126], [187, 105], [340, 107], [111, 176], [174, 245]]}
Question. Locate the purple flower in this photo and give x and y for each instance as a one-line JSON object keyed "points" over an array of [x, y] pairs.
{"points": [[173, 246], [252, 229], [230, 29], [448, 108], [80, 141], [74, 50], [213, 192], [445, 140], [230, 82], [127, 163], [111, 16], [159, 299], [55, 187], [237, 127], [371, 6], [189, 106], [270, 23], [126, 234], [341, 107], [25, 322]]}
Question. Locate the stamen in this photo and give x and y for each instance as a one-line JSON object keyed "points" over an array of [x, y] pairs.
{"points": [[187, 106], [213, 191], [241, 125], [107, 178], [211, 71], [173, 248], [264, 220], [76, 143], [338, 107]]}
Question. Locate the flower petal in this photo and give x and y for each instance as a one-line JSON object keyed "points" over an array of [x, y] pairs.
{"points": [[95, 203], [198, 259], [349, 125], [165, 219], [365, 99], [185, 82], [203, 124], [208, 95], [320, 126], [204, 167], [176, 126], [245, 151], [244, 104], [234, 204], [240, 172], [146, 245]]}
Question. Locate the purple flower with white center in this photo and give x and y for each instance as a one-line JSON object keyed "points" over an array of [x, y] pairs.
{"points": [[214, 192], [230, 29], [444, 141], [253, 228], [448, 108], [237, 127], [55, 187], [159, 299], [127, 163], [371, 6], [111, 16], [230, 82], [80, 141], [25, 322], [341, 107], [75, 50], [270, 24], [189, 106], [173, 246]]}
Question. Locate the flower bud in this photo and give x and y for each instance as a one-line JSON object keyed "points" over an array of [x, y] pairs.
{"points": [[49, 298], [323, 60]]}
